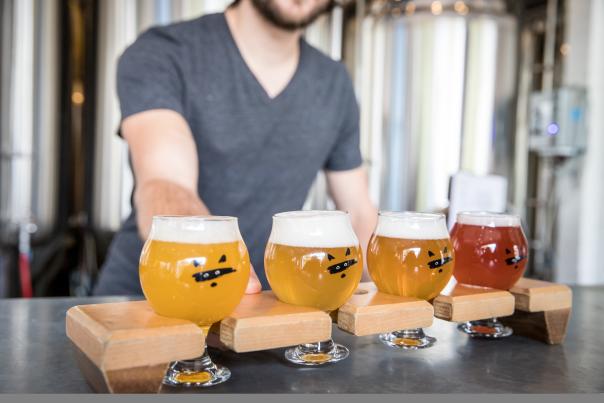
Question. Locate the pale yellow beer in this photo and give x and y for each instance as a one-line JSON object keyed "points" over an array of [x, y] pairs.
{"points": [[197, 272], [411, 255], [313, 258], [319, 277]]}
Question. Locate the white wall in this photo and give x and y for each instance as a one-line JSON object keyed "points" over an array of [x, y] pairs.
{"points": [[581, 215], [591, 229]]}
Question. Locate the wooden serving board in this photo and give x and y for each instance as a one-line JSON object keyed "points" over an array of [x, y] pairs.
{"points": [[542, 310], [125, 347], [369, 311], [262, 322], [465, 303], [536, 296]]}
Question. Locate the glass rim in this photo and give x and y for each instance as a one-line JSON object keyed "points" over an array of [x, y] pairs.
{"points": [[300, 214], [484, 213], [488, 219], [411, 215], [194, 218]]}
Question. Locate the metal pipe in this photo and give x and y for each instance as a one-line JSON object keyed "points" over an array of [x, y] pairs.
{"points": [[46, 122], [549, 51], [522, 123], [337, 28], [113, 180], [16, 138]]}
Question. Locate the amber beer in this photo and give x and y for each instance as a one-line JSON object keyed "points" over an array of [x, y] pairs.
{"points": [[313, 259], [194, 268], [320, 277], [410, 254], [490, 248]]}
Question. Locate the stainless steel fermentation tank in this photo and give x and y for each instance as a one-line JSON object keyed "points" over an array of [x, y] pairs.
{"points": [[437, 87], [28, 115]]}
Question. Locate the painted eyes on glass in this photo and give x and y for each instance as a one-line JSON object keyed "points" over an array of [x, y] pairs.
{"points": [[213, 273], [438, 263], [342, 266], [331, 257], [514, 260]]}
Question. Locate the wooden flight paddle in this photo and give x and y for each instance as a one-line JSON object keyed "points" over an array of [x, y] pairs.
{"points": [[542, 310], [369, 311], [465, 303], [125, 347]]}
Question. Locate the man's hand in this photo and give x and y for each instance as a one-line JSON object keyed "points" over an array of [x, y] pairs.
{"points": [[350, 192], [253, 284]]}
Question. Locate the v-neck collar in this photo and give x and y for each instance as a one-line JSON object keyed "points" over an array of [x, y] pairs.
{"points": [[262, 91]]}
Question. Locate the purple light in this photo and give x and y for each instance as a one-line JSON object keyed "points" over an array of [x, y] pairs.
{"points": [[552, 129]]}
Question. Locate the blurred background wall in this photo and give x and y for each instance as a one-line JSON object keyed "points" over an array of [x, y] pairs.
{"points": [[488, 91]]}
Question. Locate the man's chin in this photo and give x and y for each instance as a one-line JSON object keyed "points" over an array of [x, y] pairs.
{"points": [[289, 19], [295, 20]]}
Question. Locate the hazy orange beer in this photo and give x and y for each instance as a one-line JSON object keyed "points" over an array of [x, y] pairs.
{"points": [[410, 254], [194, 268], [313, 258]]}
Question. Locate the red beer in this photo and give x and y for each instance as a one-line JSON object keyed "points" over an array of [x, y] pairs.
{"points": [[490, 249]]}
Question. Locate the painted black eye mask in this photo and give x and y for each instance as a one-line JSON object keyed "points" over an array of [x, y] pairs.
{"points": [[514, 260], [212, 273], [342, 266], [439, 263]]}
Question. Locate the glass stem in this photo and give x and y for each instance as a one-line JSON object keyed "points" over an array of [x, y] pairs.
{"points": [[324, 346], [411, 333]]}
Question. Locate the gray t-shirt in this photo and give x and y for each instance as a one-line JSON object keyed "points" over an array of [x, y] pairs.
{"points": [[257, 156]]}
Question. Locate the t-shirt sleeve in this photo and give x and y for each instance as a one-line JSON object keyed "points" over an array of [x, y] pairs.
{"points": [[149, 75], [345, 153]]}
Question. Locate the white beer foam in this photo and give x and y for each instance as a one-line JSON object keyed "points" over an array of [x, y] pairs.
{"points": [[486, 219], [195, 230], [411, 225], [323, 229]]}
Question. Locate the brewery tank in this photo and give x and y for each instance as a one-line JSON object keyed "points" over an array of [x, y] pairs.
{"points": [[29, 112], [437, 93]]}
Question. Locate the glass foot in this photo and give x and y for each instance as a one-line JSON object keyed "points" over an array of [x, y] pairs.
{"points": [[324, 352], [486, 329], [200, 372], [410, 339]]}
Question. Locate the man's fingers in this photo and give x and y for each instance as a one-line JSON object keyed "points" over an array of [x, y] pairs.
{"points": [[253, 284]]}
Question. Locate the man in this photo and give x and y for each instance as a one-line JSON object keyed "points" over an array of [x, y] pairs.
{"points": [[234, 114]]}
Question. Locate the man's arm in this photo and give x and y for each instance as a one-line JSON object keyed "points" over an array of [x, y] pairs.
{"points": [[350, 192], [165, 164]]}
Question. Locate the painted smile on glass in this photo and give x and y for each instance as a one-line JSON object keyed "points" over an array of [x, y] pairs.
{"points": [[212, 273], [439, 263], [342, 266]]}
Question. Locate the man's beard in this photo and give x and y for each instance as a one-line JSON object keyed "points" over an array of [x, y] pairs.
{"points": [[271, 12]]}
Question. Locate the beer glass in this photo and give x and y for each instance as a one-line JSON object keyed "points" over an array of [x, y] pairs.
{"points": [[410, 254], [194, 268], [313, 258], [491, 251]]}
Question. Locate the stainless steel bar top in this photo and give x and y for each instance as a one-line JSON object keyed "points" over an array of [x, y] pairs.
{"points": [[36, 357]]}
